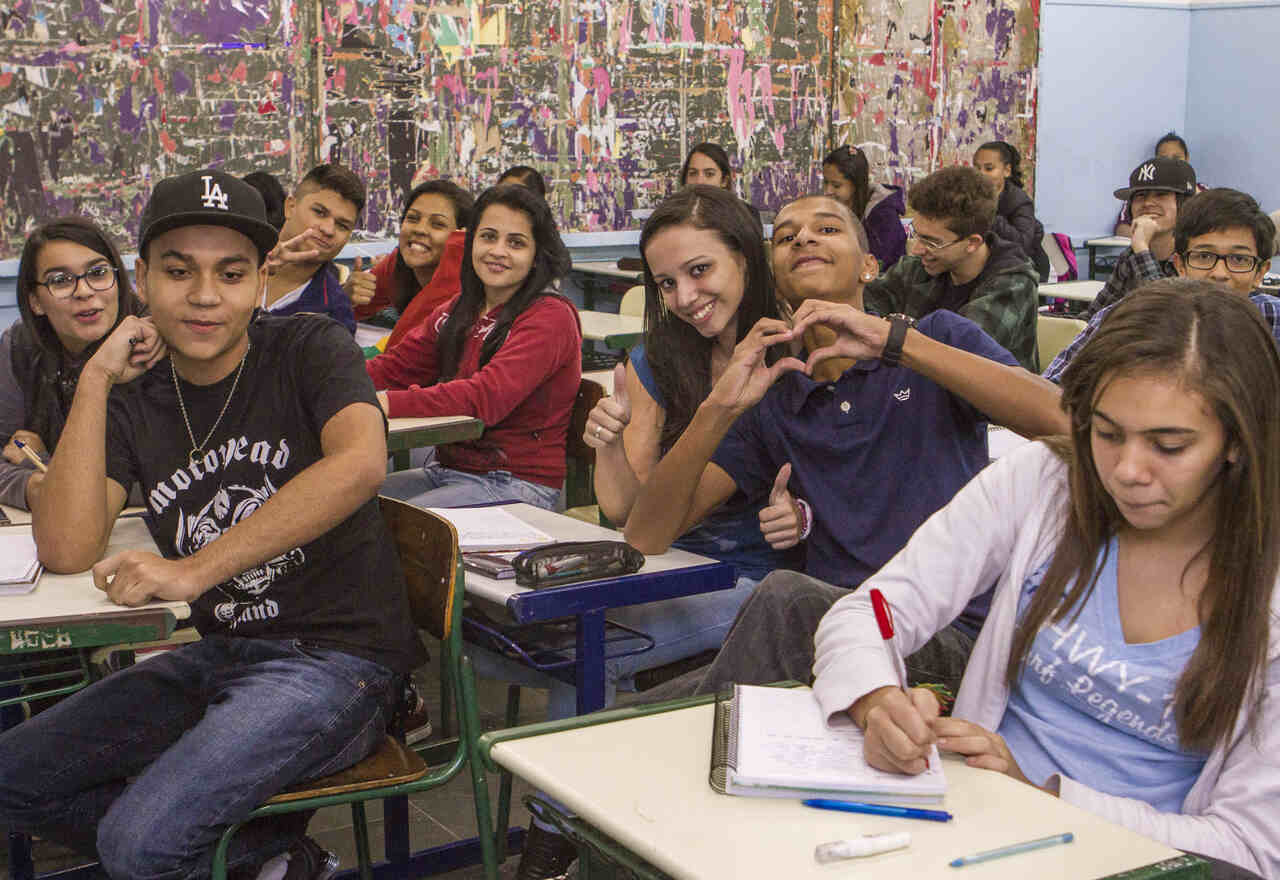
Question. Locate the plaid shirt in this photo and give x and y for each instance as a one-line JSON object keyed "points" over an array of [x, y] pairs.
{"points": [[1133, 270], [1266, 303], [1003, 303]]}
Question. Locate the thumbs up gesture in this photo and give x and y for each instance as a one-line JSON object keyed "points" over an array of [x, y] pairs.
{"points": [[782, 520], [610, 415], [360, 285]]}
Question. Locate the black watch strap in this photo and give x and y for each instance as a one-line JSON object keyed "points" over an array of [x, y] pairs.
{"points": [[899, 324]]}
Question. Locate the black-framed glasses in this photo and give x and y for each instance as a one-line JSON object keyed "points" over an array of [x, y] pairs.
{"points": [[1205, 261], [62, 285], [930, 244]]}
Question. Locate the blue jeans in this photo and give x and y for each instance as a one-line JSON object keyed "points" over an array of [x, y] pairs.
{"points": [[680, 628], [146, 768], [435, 485]]}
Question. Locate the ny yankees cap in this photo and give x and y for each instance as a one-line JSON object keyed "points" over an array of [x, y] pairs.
{"points": [[1162, 174], [207, 198]]}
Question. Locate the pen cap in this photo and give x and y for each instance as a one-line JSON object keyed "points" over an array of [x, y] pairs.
{"points": [[858, 847], [884, 617]]}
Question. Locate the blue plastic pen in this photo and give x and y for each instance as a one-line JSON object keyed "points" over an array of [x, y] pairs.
{"points": [[1012, 849], [878, 809]]}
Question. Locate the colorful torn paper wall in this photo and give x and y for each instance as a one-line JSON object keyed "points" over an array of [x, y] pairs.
{"points": [[98, 99]]}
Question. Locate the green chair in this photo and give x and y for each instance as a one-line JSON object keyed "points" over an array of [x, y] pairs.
{"points": [[428, 549]]}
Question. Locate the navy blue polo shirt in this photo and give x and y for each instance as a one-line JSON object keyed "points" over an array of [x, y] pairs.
{"points": [[874, 453]]}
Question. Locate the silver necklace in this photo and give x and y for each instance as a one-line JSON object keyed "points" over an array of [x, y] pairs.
{"points": [[199, 448]]}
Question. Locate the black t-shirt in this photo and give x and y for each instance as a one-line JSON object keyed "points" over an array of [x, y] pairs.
{"points": [[954, 297], [343, 590]]}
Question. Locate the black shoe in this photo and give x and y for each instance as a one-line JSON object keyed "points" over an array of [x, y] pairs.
{"points": [[305, 860], [414, 721], [546, 855]]}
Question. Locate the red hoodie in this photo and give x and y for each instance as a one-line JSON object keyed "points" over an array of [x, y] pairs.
{"points": [[445, 284], [524, 394]]}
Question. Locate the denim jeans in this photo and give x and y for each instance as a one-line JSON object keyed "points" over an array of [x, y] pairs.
{"points": [[434, 485], [772, 640], [146, 768], [680, 628]]}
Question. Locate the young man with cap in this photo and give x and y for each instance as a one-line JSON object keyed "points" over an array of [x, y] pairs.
{"points": [[1157, 188], [1221, 236], [318, 220], [955, 262], [259, 446]]}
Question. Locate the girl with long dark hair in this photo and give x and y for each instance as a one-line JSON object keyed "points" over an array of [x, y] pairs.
{"points": [[1001, 164], [73, 289], [1130, 661], [846, 176], [507, 350]]}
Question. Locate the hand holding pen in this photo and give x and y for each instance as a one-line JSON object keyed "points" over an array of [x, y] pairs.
{"points": [[897, 721]]}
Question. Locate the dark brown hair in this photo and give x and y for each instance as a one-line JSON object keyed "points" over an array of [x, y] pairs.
{"points": [[679, 355], [1218, 346], [337, 178], [87, 234], [853, 167], [715, 153], [405, 284], [959, 197]]}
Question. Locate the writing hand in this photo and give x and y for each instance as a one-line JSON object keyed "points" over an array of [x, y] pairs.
{"points": [[779, 520], [360, 285], [132, 348], [13, 454], [747, 377], [611, 415], [135, 577], [857, 335], [897, 727]]}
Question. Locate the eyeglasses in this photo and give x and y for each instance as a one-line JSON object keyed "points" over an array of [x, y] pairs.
{"points": [[930, 244], [1204, 261], [62, 285]]}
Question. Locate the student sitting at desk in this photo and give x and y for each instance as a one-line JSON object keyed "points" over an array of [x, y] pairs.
{"points": [[260, 447], [846, 175], [1170, 146], [1130, 661], [73, 290], [708, 164], [507, 350], [1221, 236], [1157, 188], [424, 270], [324, 208], [1001, 164], [955, 262], [876, 438]]}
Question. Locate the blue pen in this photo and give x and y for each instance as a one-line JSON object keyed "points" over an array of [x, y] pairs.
{"points": [[878, 809], [1012, 849]]}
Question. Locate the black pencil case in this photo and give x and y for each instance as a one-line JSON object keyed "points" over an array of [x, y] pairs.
{"points": [[568, 561]]}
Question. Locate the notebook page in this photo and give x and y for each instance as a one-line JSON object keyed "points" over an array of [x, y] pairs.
{"points": [[18, 562], [491, 528], [784, 740]]}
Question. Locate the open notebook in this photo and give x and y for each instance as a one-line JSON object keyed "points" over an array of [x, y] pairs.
{"points": [[775, 742], [19, 567], [489, 529]]}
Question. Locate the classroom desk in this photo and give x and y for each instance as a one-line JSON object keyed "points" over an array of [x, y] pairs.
{"points": [[1080, 291], [615, 331], [600, 276], [667, 576], [637, 777], [1109, 241], [404, 435], [68, 611]]}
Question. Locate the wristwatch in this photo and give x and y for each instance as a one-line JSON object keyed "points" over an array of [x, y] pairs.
{"points": [[899, 324]]}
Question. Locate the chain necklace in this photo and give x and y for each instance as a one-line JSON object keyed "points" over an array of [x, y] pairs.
{"points": [[177, 386]]}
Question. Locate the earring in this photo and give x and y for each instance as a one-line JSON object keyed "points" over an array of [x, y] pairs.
{"points": [[867, 277]]}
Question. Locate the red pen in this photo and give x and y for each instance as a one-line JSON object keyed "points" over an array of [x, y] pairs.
{"points": [[884, 620]]}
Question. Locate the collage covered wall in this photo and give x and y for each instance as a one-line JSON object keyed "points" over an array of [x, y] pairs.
{"points": [[99, 99]]}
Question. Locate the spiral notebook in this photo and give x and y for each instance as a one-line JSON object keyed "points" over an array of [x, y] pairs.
{"points": [[775, 742]]}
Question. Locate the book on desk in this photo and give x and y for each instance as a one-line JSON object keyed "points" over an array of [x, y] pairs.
{"points": [[775, 742]]}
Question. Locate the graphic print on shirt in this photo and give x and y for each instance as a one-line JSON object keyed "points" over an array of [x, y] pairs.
{"points": [[1073, 664], [230, 503]]}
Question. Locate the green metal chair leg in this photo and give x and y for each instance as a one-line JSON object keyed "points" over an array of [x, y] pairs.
{"points": [[446, 701], [361, 824], [469, 724]]}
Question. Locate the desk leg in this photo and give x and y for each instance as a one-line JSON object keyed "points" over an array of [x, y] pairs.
{"points": [[1093, 261], [20, 866], [395, 836], [591, 661]]}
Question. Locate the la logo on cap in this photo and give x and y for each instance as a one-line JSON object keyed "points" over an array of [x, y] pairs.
{"points": [[1145, 173], [213, 197]]}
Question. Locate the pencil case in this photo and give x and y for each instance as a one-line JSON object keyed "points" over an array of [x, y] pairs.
{"points": [[568, 561]]}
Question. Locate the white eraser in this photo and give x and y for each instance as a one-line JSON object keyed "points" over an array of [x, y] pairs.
{"points": [[866, 845]]}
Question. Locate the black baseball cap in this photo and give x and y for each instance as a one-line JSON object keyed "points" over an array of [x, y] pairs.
{"points": [[1163, 174], [207, 198]]}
